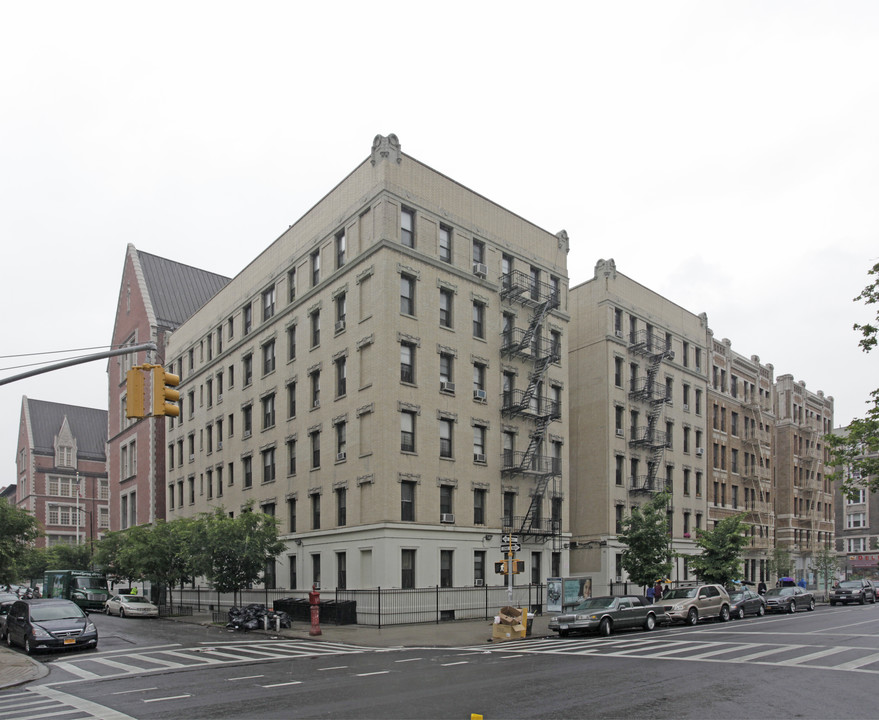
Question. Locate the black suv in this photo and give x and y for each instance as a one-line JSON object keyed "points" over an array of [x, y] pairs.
{"points": [[49, 625], [859, 591]]}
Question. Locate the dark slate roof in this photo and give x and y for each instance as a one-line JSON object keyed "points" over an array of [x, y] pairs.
{"points": [[176, 290], [88, 425]]}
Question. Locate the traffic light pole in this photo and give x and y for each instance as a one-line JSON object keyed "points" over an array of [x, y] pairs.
{"points": [[79, 361]]}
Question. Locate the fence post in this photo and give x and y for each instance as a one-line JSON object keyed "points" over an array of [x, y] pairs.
{"points": [[437, 604], [485, 585], [379, 607], [198, 597]]}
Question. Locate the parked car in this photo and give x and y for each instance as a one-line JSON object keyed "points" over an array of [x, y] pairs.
{"points": [[130, 606], [745, 601], [49, 624], [607, 613], [789, 599], [6, 600], [859, 591], [697, 602]]}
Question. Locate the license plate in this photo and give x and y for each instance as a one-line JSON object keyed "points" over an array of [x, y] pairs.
{"points": [[70, 641], [563, 627]]}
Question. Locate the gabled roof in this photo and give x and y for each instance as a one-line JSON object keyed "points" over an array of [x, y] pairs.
{"points": [[88, 425], [176, 291]]}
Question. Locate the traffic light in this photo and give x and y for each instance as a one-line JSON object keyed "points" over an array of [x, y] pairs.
{"points": [[164, 394], [501, 567], [134, 401], [518, 566]]}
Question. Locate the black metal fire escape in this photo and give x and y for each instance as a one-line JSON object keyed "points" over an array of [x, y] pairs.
{"points": [[532, 346], [650, 391]]}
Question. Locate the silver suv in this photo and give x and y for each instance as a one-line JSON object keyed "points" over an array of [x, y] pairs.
{"points": [[692, 604]]}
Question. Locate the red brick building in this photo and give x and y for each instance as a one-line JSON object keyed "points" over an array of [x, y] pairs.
{"points": [[156, 295], [61, 463]]}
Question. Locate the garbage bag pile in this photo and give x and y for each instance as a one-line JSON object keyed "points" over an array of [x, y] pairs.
{"points": [[253, 617]]}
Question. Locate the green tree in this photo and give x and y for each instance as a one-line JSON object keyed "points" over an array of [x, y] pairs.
{"points": [[117, 558], [232, 552], [855, 454], [780, 563], [720, 561], [164, 551], [18, 530], [646, 558], [824, 564]]}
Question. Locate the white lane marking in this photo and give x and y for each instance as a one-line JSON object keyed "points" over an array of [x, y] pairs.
{"points": [[764, 653], [380, 672], [854, 664], [76, 670], [460, 662], [87, 706], [722, 650], [408, 660], [337, 667], [163, 699], [811, 656], [283, 684], [128, 692], [246, 677], [509, 657]]}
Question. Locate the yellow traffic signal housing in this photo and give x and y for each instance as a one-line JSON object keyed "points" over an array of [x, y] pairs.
{"points": [[501, 567], [518, 566], [164, 394], [134, 399]]}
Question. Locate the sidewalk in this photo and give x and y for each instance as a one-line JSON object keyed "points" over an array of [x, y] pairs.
{"points": [[17, 668]]}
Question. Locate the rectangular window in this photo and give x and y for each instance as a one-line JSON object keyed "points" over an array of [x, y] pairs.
{"points": [[341, 311], [341, 571], [291, 342], [341, 248], [291, 457], [341, 440], [407, 569], [446, 568], [291, 285], [315, 268], [315, 449], [407, 295], [407, 431], [341, 376], [478, 252], [315, 388], [247, 370], [479, 506], [479, 443], [268, 357], [268, 465], [291, 514], [247, 467], [445, 428], [247, 420], [446, 372], [407, 501], [407, 227], [478, 320], [509, 508], [291, 400], [445, 243], [407, 363], [479, 567], [268, 303], [314, 319], [341, 506], [315, 511], [445, 308], [268, 411], [446, 495], [246, 323]]}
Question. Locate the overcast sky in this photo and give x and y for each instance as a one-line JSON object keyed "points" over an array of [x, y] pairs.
{"points": [[726, 155]]}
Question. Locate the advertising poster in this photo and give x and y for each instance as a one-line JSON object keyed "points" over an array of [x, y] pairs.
{"points": [[566, 593]]}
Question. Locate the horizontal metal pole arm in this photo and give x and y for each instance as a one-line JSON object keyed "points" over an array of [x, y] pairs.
{"points": [[79, 361]]}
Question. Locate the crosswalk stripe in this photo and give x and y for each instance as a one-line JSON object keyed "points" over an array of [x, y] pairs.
{"points": [[855, 664], [799, 660]]}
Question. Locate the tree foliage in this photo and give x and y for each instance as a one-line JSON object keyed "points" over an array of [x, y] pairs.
{"points": [[18, 530], [720, 561], [824, 564], [232, 552], [646, 558], [780, 563], [856, 453]]}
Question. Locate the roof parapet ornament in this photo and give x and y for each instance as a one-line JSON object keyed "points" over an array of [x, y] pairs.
{"points": [[606, 268], [564, 243], [386, 147]]}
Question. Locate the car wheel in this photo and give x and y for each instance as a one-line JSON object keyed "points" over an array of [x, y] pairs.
{"points": [[792, 606], [862, 599], [650, 622], [724, 613], [605, 627], [872, 598], [106, 609], [761, 611], [812, 604], [692, 616], [28, 648], [9, 639], [122, 612]]}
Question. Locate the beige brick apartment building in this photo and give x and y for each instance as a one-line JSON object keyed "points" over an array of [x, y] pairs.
{"points": [[389, 378]]}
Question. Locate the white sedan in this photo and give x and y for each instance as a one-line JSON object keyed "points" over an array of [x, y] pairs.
{"points": [[130, 606]]}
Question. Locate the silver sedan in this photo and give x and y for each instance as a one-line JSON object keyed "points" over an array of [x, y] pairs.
{"points": [[130, 606]]}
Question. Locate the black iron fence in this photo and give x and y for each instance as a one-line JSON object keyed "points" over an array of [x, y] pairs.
{"points": [[375, 607]]}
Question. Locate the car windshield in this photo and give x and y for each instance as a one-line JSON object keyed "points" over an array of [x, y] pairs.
{"points": [[596, 603], [91, 583], [850, 584], [736, 596], [55, 611], [133, 599], [680, 593], [776, 592]]}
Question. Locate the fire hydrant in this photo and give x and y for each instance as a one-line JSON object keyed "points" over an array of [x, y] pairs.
{"points": [[314, 601]]}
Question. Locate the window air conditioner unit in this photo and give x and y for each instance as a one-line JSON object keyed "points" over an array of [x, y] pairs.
{"points": [[619, 432], [447, 517], [618, 333], [478, 457], [220, 398], [480, 270], [479, 395], [686, 406], [447, 386], [247, 433], [219, 444], [479, 582], [341, 456], [340, 325], [700, 452]]}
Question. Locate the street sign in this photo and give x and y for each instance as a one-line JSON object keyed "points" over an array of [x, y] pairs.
{"points": [[515, 547], [506, 539]]}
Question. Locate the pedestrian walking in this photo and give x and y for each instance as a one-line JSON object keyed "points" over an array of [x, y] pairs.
{"points": [[761, 588], [657, 591]]}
